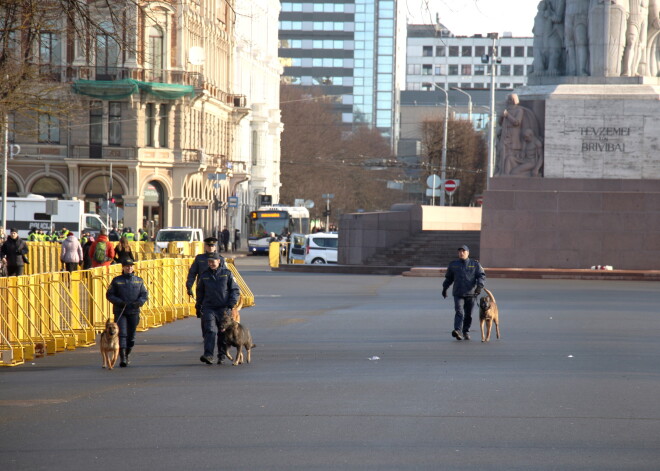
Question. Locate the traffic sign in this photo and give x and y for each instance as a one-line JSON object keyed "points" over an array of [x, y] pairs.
{"points": [[232, 201], [433, 181], [450, 186]]}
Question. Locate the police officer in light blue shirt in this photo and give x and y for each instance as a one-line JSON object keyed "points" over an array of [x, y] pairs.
{"points": [[468, 278]]}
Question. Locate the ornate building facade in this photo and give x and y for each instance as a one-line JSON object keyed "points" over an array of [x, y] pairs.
{"points": [[158, 126]]}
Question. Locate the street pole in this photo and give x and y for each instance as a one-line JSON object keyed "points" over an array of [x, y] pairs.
{"points": [[491, 148], [5, 154], [443, 169], [469, 102]]}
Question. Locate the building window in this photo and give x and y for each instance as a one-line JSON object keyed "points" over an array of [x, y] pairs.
{"points": [[49, 129], [530, 51], [519, 70], [154, 59], [427, 69], [519, 51], [439, 70], [466, 69], [96, 123], [114, 123], [453, 69], [505, 85], [107, 54], [440, 51], [453, 51], [414, 69], [505, 70], [479, 69], [479, 51], [49, 49], [427, 51], [427, 86], [505, 51], [163, 125], [150, 124], [466, 51]]}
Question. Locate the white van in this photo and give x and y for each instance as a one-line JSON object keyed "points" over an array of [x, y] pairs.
{"points": [[321, 248], [177, 234]]}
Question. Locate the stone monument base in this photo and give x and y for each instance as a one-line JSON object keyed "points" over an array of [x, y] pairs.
{"points": [[571, 223]]}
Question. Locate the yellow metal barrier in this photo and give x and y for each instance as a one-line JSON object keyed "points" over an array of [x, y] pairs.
{"points": [[53, 312]]}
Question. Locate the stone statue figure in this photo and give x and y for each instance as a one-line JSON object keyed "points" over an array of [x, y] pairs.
{"points": [[634, 62], [531, 158], [510, 123], [576, 37], [653, 42], [549, 35], [538, 30], [607, 36]]}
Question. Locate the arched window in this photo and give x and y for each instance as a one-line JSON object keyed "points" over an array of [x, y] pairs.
{"points": [[49, 187], [154, 60]]}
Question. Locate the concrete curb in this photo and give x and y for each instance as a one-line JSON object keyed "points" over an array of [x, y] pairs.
{"points": [[522, 273]]}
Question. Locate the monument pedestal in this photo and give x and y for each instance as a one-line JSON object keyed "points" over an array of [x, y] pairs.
{"points": [[598, 202]]}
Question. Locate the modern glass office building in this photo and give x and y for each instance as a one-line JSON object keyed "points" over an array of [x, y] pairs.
{"points": [[354, 49]]}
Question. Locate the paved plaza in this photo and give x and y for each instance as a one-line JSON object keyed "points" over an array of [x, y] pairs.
{"points": [[360, 372]]}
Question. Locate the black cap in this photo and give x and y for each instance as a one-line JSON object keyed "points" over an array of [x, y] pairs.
{"points": [[211, 240], [464, 247], [13, 229], [213, 256], [128, 261]]}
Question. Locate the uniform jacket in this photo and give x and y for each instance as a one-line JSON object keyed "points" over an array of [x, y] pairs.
{"points": [[14, 249], [71, 250], [109, 251], [217, 289], [466, 275], [199, 266], [128, 290]]}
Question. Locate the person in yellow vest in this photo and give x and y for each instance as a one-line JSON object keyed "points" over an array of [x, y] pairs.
{"points": [[144, 236], [33, 236], [129, 234]]}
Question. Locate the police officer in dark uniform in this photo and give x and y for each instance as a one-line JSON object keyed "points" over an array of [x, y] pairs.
{"points": [[468, 278], [128, 294], [200, 264], [217, 294]]}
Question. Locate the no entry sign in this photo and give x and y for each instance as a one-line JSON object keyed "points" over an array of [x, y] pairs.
{"points": [[450, 186]]}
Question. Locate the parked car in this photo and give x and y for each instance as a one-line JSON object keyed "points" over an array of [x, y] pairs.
{"points": [[177, 234], [321, 248]]}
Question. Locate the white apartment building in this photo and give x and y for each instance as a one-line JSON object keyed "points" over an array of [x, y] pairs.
{"points": [[435, 56]]}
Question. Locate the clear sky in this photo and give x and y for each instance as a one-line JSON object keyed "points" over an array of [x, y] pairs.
{"points": [[468, 17]]}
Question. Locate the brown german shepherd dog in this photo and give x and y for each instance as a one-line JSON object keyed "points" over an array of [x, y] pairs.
{"points": [[488, 314], [109, 344]]}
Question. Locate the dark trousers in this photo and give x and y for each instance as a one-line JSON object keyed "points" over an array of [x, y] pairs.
{"points": [[127, 326], [71, 266], [463, 317], [211, 319], [15, 270]]}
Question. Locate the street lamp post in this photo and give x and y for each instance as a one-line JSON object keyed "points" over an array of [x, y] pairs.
{"points": [[469, 101], [443, 169], [493, 61]]}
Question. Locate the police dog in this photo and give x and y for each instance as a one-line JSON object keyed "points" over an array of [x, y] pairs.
{"points": [[109, 344], [236, 335], [488, 314]]}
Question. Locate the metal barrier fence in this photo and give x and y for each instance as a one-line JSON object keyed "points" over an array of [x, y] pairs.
{"points": [[43, 314], [44, 257]]}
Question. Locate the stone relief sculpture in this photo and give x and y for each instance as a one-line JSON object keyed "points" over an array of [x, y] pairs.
{"points": [[606, 38], [520, 149]]}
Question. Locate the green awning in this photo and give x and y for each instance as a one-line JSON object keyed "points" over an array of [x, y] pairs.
{"points": [[118, 89]]}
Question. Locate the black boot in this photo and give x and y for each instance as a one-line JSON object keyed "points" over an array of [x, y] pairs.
{"points": [[122, 357], [128, 353]]}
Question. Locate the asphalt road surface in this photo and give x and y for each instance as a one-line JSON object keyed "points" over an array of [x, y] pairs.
{"points": [[360, 372]]}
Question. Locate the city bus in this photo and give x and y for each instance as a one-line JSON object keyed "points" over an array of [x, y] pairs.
{"points": [[282, 220]]}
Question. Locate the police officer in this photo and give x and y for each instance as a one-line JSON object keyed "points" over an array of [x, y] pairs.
{"points": [[129, 234], [128, 294], [468, 278], [200, 265], [217, 294]]}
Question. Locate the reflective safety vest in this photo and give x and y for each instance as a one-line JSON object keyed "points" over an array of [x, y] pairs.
{"points": [[130, 236]]}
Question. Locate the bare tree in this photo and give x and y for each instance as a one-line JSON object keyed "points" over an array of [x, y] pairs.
{"points": [[322, 156], [466, 156]]}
